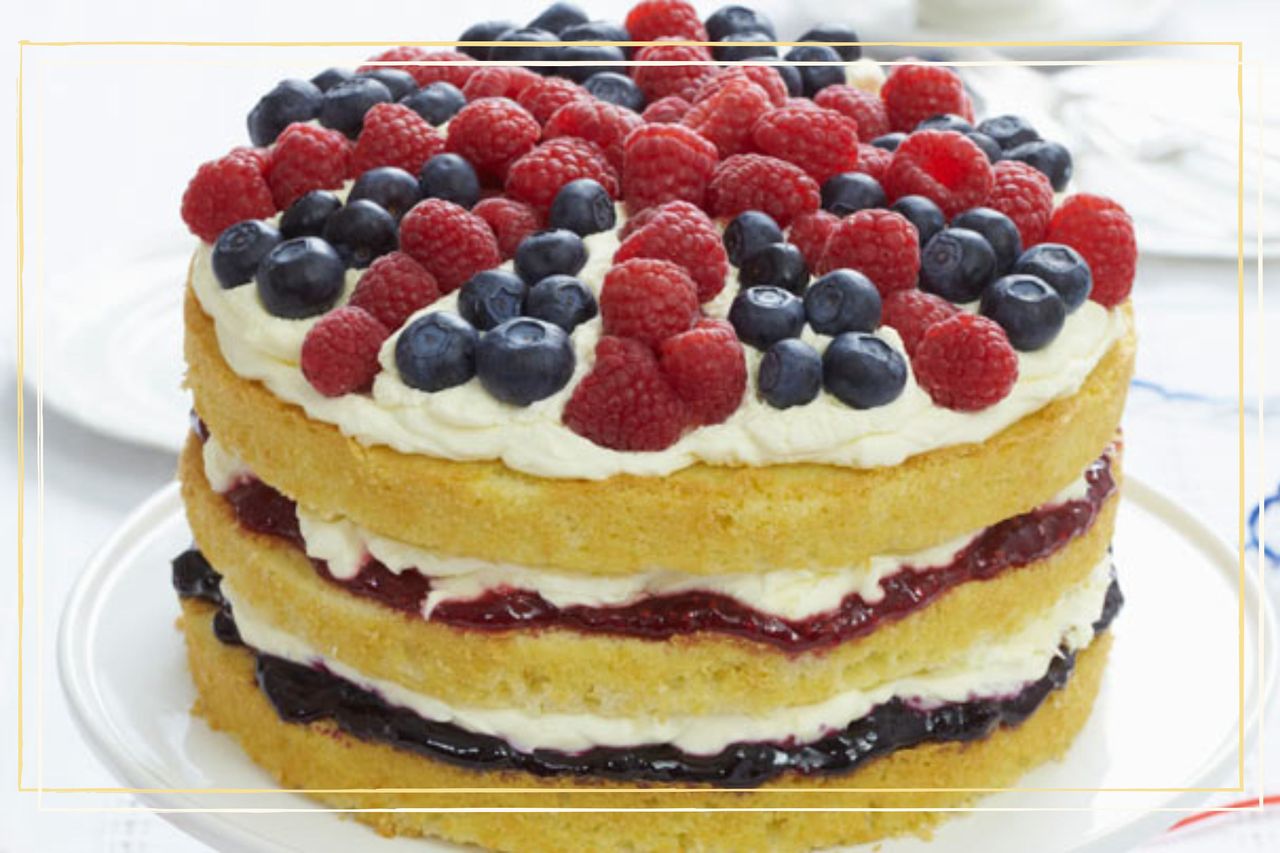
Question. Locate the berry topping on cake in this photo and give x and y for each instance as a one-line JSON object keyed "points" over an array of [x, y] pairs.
{"points": [[914, 93], [554, 252], [706, 367], [558, 17], [650, 20], [548, 94], [289, 101], [563, 300], [606, 125], [584, 207], [727, 117], [867, 111], [923, 214], [835, 33], [668, 110], [491, 133], [998, 230], [777, 264], [240, 249], [940, 165], [436, 103], [820, 141], [449, 177], [450, 242], [648, 300], [681, 234], [1024, 195], [626, 402], [499, 81], [1102, 232], [437, 351], [394, 287], [766, 77], [399, 83], [810, 232], [666, 162], [306, 158], [511, 221], [965, 362], [1062, 268], [344, 106], [1029, 310], [957, 264], [300, 278], [888, 142], [874, 161], [524, 360], [536, 177], [815, 78], [1008, 131], [862, 371], [912, 312], [850, 192], [1050, 158], [660, 80], [394, 135], [340, 352], [360, 232], [764, 315], [306, 216], [880, 244], [392, 189], [757, 182], [226, 191], [442, 68], [790, 374], [749, 232], [491, 297], [842, 301]]}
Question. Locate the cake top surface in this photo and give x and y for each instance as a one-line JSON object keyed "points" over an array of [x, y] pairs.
{"points": [[708, 256]]}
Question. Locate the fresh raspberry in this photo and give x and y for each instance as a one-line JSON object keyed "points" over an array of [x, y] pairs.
{"points": [[340, 353], [756, 182], [307, 158], [393, 287], [1102, 232], [880, 244], [706, 367], [225, 191], [666, 162], [499, 81], [809, 233], [452, 243], [605, 124], [491, 133], [863, 107], [425, 75], [802, 104], [965, 363], [874, 161], [650, 20], [822, 142], [536, 177], [943, 166], [394, 135], [726, 118], [674, 235], [1022, 193], [625, 403], [914, 93], [668, 110], [647, 299], [547, 95], [911, 312], [659, 81], [966, 109], [510, 220], [691, 213], [762, 75]]}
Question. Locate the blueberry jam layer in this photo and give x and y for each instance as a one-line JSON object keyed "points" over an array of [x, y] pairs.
{"points": [[304, 694], [1010, 544]]}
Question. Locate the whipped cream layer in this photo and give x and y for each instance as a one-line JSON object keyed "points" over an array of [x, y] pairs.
{"points": [[466, 423], [988, 670], [793, 594]]}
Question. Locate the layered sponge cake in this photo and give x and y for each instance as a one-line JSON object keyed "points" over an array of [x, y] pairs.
{"points": [[710, 435]]}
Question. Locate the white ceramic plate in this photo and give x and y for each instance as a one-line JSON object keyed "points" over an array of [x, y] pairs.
{"points": [[1167, 716]]}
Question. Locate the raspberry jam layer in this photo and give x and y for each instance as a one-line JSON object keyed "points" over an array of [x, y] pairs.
{"points": [[1012, 543], [304, 694]]}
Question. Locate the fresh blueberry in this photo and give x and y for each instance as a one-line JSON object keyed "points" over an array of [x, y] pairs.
{"points": [[524, 47], [777, 264], [988, 145], [306, 216], [360, 232], [749, 232], [300, 278], [728, 20], [436, 351], [563, 300], [524, 360], [817, 77], [739, 47], [1029, 310], [330, 77], [791, 76], [597, 31], [835, 33], [946, 121], [850, 192], [1008, 130], [762, 316], [289, 101], [483, 31], [889, 142], [921, 212], [579, 61], [863, 371], [451, 178], [1000, 233], [583, 207], [957, 264], [558, 16], [1051, 158], [790, 374], [615, 88], [391, 188], [843, 300], [345, 104], [491, 297], [1062, 268], [239, 249], [436, 103], [398, 82], [558, 251]]}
